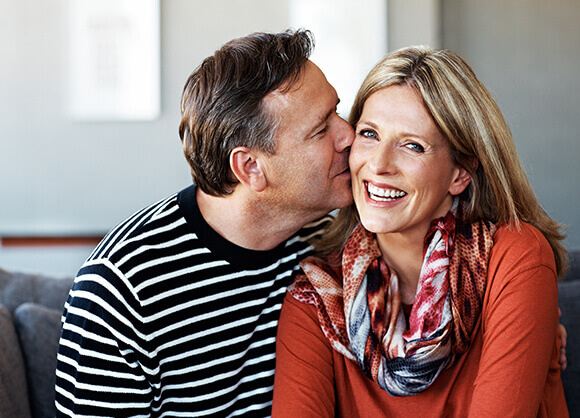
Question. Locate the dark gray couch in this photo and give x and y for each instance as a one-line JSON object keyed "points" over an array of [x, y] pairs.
{"points": [[30, 311], [569, 302]]}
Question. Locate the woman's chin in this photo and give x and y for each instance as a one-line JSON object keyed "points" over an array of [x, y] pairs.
{"points": [[376, 226]]}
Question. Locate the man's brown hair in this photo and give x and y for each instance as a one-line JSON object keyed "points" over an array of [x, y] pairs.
{"points": [[222, 105]]}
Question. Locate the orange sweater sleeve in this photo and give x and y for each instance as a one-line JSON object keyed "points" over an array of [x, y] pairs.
{"points": [[304, 378], [519, 324]]}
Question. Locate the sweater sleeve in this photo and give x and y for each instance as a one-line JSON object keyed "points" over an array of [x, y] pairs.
{"points": [[101, 359], [519, 324], [304, 378]]}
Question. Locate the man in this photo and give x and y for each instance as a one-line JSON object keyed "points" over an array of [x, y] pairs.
{"points": [[175, 312]]}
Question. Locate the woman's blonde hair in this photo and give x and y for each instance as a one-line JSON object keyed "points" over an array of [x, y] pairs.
{"points": [[479, 138]]}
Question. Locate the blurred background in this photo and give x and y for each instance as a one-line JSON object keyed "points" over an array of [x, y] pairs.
{"points": [[90, 91]]}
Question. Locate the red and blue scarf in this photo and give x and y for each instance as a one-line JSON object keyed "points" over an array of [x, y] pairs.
{"points": [[360, 311]]}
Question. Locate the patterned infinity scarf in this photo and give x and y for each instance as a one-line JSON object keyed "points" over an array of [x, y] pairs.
{"points": [[363, 318]]}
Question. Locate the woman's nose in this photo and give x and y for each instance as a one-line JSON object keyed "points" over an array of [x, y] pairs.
{"points": [[345, 136], [382, 160]]}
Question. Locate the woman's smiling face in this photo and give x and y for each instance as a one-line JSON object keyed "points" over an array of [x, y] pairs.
{"points": [[402, 173]]}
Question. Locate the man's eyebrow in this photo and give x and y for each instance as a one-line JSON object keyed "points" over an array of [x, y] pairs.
{"points": [[324, 118]]}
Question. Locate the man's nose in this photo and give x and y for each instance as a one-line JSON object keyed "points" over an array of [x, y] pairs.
{"points": [[345, 136]]}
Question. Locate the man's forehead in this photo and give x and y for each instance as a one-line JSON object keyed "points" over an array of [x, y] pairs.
{"points": [[310, 88], [289, 87], [306, 105]]}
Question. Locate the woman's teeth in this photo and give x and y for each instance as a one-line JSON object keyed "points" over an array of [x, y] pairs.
{"points": [[384, 195]]}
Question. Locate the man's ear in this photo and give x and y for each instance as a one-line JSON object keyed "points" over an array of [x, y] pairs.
{"points": [[247, 168]]}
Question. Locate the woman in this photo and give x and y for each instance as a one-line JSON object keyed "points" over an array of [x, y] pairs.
{"points": [[445, 294]]}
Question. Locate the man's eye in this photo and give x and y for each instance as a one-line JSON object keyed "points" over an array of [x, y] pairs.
{"points": [[323, 130]]}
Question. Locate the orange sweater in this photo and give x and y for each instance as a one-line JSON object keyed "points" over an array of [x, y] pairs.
{"points": [[511, 369]]}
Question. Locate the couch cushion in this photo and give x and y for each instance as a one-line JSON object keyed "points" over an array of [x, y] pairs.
{"points": [[569, 297], [573, 272], [38, 329], [13, 390]]}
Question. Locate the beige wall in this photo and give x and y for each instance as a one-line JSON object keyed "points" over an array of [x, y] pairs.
{"points": [[62, 176], [414, 22], [528, 54]]}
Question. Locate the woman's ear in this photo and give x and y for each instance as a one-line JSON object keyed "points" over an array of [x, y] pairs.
{"points": [[247, 168], [460, 181]]}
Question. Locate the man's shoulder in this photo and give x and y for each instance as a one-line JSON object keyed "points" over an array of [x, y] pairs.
{"points": [[147, 246], [301, 242], [155, 223]]}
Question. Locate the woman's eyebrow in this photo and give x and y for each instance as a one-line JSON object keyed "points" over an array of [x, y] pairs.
{"points": [[369, 123]]}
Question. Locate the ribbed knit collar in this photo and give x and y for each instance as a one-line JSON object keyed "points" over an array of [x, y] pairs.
{"points": [[234, 254]]}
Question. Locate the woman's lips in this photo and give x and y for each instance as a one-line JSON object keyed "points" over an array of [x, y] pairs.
{"points": [[383, 194]]}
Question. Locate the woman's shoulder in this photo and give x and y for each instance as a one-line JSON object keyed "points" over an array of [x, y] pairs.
{"points": [[524, 246], [526, 236]]}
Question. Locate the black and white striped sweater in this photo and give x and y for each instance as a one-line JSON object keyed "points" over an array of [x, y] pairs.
{"points": [[167, 318]]}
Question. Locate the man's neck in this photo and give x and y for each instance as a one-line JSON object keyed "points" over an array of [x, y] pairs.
{"points": [[244, 222]]}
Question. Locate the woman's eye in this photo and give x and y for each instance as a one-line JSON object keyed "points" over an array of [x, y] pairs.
{"points": [[413, 146], [367, 133]]}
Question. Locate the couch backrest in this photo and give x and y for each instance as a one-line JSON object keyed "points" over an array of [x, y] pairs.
{"points": [[19, 288]]}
